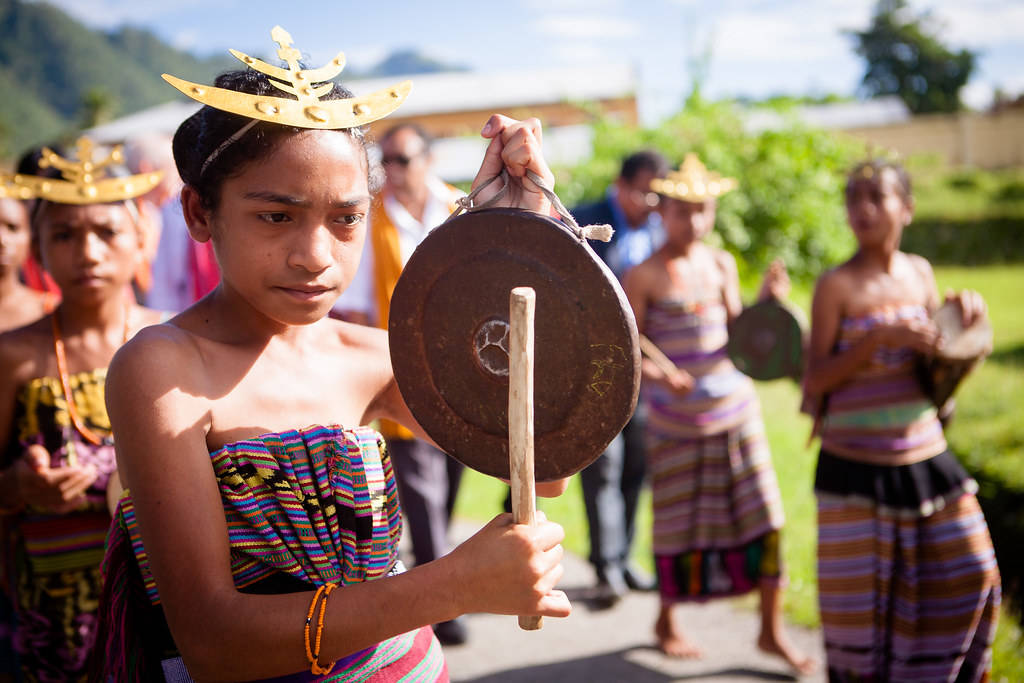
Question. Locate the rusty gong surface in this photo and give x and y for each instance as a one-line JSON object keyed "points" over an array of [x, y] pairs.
{"points": [[766, 341], [448, 332]]}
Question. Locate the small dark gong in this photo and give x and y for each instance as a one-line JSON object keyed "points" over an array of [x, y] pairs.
{"points": [[766, 341], [448, 332]]}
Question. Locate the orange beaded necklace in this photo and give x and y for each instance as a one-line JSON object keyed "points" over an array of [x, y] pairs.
{"points": [[65, 382]]}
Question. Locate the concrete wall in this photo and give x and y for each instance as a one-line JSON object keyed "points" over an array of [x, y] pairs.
{"points": [[965, 139]]}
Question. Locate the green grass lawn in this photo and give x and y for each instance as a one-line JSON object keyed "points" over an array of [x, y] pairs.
{"points": [[990, 405]]}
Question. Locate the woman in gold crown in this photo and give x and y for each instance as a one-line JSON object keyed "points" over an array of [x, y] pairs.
{"points": [[19, 304], [58, 464], [262, 524], [717, 508]]}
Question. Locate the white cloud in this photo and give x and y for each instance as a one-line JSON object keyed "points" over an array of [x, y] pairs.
{"points": [[977, 24], [586, 26]]}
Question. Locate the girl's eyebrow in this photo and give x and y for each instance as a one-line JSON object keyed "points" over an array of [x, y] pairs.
{"points": [[288, 200]]}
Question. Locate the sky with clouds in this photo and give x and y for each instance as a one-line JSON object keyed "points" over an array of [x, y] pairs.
{"points": [[752, 47]]}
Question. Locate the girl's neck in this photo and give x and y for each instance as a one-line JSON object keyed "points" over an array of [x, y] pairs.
{"points": [[10, 285], [883, 259], [674, 250], [241, 323], [106, 316]]}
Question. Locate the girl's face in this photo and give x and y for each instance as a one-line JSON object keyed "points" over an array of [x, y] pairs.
{"points": [[878, 210], [91, 251], [686, 222], [288, 230], [14, 235]]}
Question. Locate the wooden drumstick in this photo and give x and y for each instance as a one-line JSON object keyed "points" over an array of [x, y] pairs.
{"points": [[522, 304], [658, 357]]}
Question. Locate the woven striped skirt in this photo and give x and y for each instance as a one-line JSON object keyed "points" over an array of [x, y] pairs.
{"points": [[717, 512], [906, 597], [413, 657]]}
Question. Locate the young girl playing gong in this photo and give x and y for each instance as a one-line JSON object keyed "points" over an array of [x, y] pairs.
{"points": [[262, 522], [58, 466], [717, 509], [908, 584]]}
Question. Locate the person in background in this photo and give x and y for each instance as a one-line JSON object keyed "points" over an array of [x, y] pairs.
{"points": [[183, 270], [908, 585], [58, 475], [412, 202], [612, 483], [716, 501], [19, 303]]}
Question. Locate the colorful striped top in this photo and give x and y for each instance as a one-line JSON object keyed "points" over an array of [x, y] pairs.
{"points": [[304, 507], [73, 540], [881, 415], [319, 504], [694, 334]]}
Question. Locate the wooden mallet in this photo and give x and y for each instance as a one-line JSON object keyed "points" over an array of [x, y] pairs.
{"points": [[522, 304]]}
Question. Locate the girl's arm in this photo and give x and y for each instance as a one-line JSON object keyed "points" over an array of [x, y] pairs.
{"points": [[730, 283], [638, 285], [161, 419], [28, 477]]}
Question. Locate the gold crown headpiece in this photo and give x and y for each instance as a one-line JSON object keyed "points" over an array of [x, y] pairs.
{"points": [[693, 182], [85, 180], [875, 155], [307, 85]]}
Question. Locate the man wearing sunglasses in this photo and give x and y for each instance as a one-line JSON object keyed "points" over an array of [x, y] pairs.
{"points": [[611, 485], [412, 202]]}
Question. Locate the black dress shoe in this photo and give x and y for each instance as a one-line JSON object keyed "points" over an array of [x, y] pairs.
{"points": [[610, 589], [451, 632], [638, 580]]}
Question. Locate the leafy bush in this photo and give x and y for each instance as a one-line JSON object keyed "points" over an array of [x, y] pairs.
{"points": [[789, 203]]}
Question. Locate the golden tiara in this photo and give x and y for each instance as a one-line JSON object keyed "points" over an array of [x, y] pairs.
{"points": [[307, 85], [85, 180], [693, 182]]}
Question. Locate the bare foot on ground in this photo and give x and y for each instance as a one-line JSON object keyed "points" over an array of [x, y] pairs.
{"points": [[671, 640], [781, 647]]}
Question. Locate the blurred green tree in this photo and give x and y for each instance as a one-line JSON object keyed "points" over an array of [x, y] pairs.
{"points": [[905, 57], [789, 203]]}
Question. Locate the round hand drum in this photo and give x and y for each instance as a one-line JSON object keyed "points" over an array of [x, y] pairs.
{"points": [[766, 341], [448, 332], [961, 350]]}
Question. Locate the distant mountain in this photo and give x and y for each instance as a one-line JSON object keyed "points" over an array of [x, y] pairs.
{"points": [[59, 76], [51, 66], [408, 62]]}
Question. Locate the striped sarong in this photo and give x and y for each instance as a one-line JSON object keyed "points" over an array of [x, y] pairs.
{"points": [[717, 512], [905, 596]]}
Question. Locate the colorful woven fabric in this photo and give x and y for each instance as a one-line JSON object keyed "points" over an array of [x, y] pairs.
{"points": [[903, 596], [881, 415], [693, 334], [717, 509], [318, 505], [53, 560]]}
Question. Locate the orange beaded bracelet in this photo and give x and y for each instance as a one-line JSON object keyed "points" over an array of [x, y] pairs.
{"points": [[309, 618], [316, 668]]}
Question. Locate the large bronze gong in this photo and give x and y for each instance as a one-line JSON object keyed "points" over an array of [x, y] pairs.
{"points": [[448, 333]]}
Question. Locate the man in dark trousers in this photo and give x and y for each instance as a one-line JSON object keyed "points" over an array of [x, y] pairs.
{"points": [[611, 485]]}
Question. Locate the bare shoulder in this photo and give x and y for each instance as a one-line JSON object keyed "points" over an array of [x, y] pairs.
{"points": [[834, 284], [25, 352], [368, 352], [921, 265], [723, 259], [638, 278], [157, 358]]}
